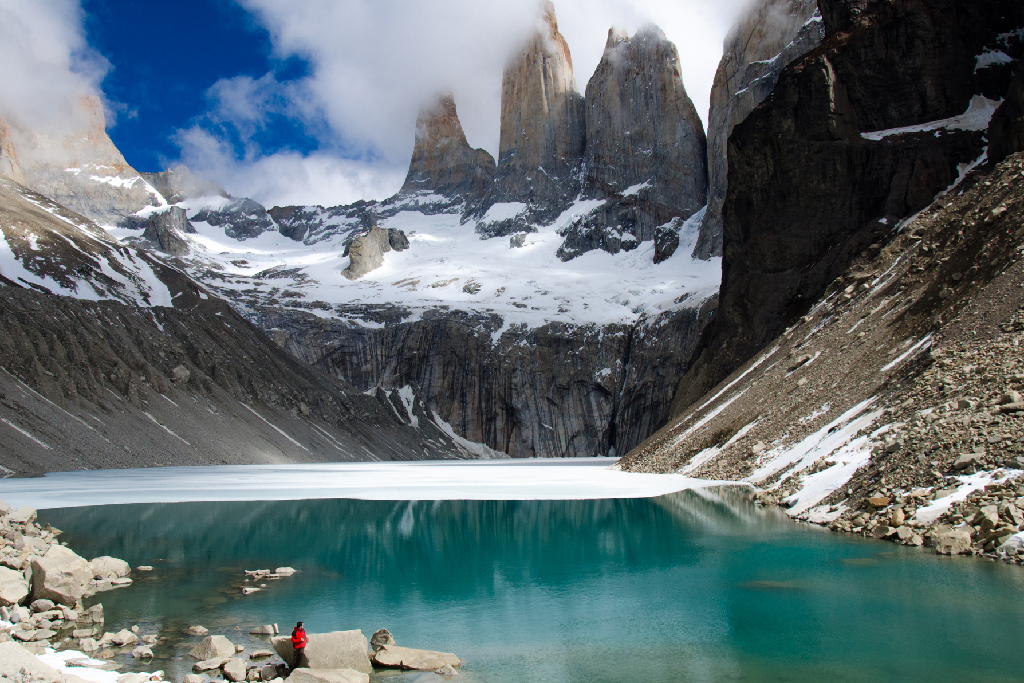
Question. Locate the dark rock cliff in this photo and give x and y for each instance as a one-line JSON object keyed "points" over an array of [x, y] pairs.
{"points": [[557, 390], [808, 192], [1006, 134], [766, 39], [646, 150]]}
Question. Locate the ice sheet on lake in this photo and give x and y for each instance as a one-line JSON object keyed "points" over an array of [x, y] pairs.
{"points": [[540, 479]]}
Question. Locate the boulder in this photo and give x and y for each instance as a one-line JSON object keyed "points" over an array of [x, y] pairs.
{"points": [[261, 654], [336, 650], [267, 630], [213, 647], [268, 672], [197, 630], [328, 676], [13, 587], [193, 678], [109, 568], [16, 660], [381, 638], [234, 669], [134, 678], [142, 652], [123, 638], [955, 542], [878, 501], [94, 614], [60, 575], [88, 645], [407, 658], [209, 664], [25, 515], [40, 606], [966, 460]]}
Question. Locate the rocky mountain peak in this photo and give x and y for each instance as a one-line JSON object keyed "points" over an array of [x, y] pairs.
{"points": [[442, 161], [542, 130], [646, 149], [9, 167]]}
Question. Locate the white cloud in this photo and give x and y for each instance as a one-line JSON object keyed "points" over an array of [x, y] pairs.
{"points": [[288, 178], [374, 62], [47, 65]]}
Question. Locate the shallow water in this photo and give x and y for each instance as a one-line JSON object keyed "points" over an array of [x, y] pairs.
{"points": [[692, 586]]}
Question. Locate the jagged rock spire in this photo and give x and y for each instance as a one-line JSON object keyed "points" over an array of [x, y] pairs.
{"points": [[442, 160]]}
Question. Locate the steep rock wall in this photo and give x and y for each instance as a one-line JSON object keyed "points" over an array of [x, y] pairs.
{"points": [[552, 391], [442, 161], [646, 149], [542, 132], [808, 192], [767, 38]]}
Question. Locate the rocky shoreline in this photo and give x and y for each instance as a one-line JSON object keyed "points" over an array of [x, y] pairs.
{"points": [[48, 635]]}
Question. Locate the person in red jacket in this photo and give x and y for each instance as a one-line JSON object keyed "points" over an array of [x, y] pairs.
{"points": [[299, 642]]}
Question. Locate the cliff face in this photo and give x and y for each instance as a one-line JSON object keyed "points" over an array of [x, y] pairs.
{"points": [[9, 167], [542, 133], [767, 39], [178, 184], [554, 391], [443, 163], [827, 167], [646, 149], [83, 170]]}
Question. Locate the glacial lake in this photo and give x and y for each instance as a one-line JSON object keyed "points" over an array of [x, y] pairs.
{"points": [[697, 585]]}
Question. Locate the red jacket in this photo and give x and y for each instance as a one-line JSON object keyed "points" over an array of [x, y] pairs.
{"points": [[299, 638]]}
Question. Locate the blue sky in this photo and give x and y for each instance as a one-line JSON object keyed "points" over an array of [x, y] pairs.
{"points": [[164, 62]]}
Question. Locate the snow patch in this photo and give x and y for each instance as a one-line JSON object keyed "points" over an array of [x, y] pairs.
{"points": [[976, 118]]}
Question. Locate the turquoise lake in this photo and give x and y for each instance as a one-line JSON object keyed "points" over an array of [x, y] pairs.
{"points": [[692, 586]]}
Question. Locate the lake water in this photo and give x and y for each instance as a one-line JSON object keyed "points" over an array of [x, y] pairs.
{"points": [[692, 586]]}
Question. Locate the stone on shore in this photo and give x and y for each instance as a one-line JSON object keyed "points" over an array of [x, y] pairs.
{"points": [[955, 542], [60, 575], [17, 664], [197, 631], [328, 676], [395, 657], [261, 654], [209, 664], [234, 669], [13, 587], [142, 652], [266, 630], [123, 638], [193, 678], [25, 515], [268, 672], [381, 639], [106, 568], [336, 650], [213, 647]]}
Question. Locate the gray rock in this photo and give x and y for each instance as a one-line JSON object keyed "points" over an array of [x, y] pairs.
{"points": [[193, 678], [242, 219], [966, 460], [955, 542], [234, 670], [407, 658], [25, 515], [268, 672], [109, 568], [327, 676], [336, 650], [167, 229], [16, 660], [446, 670], [267, 630], [60, 575], [197, 630], [13, 587], [381, 639], [142, 652], [94, 614], [213, 647], [366, 253], [133, 678], [88, 645], [124, 637], [209, 664], [261, 654], [397, 239]]}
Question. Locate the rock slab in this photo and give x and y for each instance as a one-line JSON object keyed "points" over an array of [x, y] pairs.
{"points": [[335, 650], [410, 659]]}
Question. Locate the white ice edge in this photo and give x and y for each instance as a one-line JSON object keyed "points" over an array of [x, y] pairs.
{"points": [[59, 661], [535, 479], [977, 117]]}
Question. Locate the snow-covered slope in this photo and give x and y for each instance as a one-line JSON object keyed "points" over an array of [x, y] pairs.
{"points": [[448, 264]]}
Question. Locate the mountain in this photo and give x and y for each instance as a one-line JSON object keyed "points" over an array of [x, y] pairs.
{"points": [[443, 164], [112, 357], [864, 368], [80, 169], [645, 149], [543, 135], [769, 35]]}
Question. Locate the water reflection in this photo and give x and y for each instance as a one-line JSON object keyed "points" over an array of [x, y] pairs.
{"points": [[694, 586]]}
